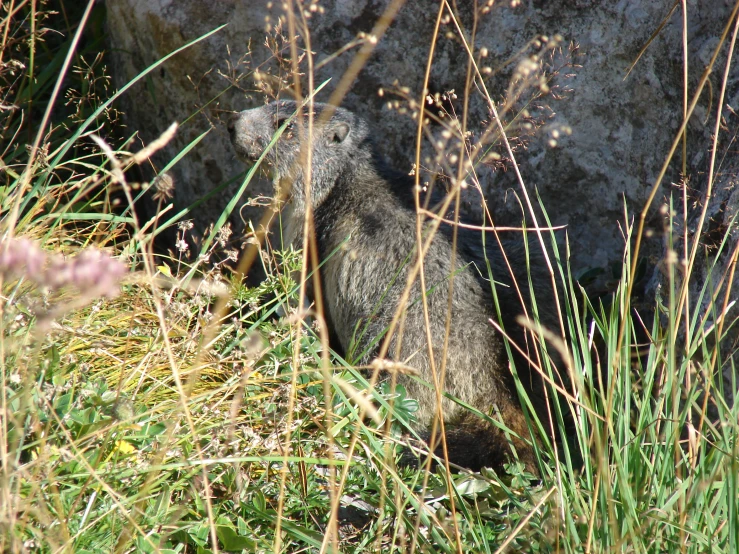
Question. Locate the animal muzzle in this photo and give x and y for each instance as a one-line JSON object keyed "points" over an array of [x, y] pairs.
{"points": [[247, 141]]}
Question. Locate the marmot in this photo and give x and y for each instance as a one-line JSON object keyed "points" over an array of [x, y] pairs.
{"points": [[365, 230]]}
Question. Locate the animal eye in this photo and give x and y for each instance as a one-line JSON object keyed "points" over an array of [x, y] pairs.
{"points": [[281, 121]]}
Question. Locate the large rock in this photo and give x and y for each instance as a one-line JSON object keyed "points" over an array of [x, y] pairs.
{"points": [[622, 125]]}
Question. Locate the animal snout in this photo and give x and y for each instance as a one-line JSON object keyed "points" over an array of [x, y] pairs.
{"points": [[243, 129], [231, 125]]}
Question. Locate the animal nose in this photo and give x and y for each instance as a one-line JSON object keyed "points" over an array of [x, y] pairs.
{"points": [[231, 125]]}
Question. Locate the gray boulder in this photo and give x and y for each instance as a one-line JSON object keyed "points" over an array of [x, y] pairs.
{"points": [[622, 124]]}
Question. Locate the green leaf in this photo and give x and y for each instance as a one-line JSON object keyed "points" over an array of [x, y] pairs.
{"points": [[260, 503], [243, 527], [231, 540]]}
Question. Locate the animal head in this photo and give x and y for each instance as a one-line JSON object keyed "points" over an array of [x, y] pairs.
{"points": [[333, 144]]}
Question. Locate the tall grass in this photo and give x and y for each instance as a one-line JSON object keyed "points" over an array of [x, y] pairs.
{"points": [[177, 410]]}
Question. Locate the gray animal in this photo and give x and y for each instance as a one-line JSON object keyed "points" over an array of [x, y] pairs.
{"points": [[365, 230]]}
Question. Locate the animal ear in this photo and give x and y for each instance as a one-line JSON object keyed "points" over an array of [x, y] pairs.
{"points": [[340, 131]]}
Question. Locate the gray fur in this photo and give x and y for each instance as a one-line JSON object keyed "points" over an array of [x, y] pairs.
{"points": [[369, 208]]}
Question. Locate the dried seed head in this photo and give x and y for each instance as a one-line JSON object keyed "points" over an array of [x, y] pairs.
{"points": [[164, 185]]}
